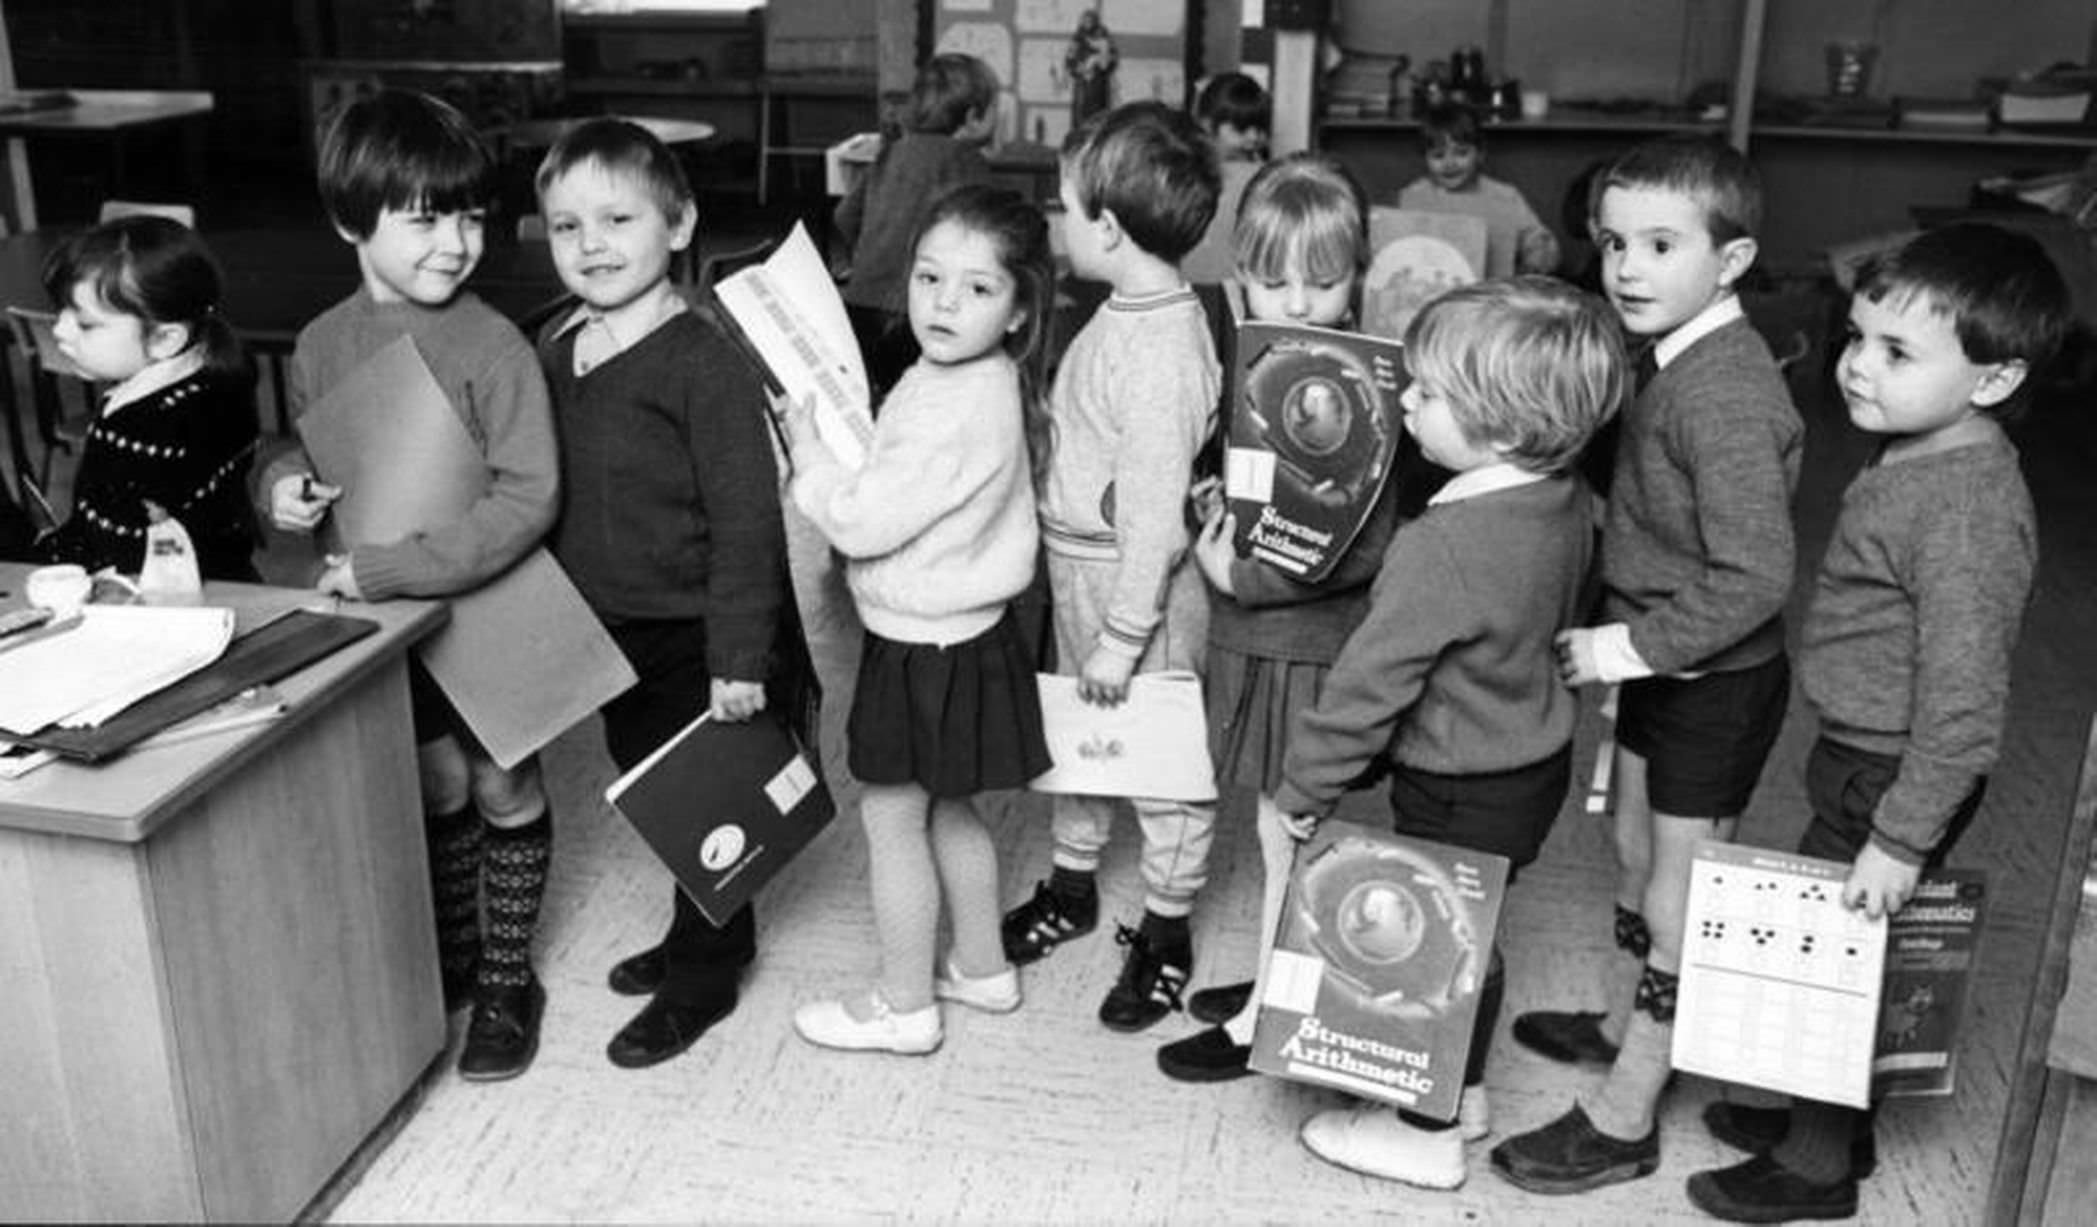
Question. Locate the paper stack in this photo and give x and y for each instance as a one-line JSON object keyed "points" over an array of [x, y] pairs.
{"points": [[116, 656]]}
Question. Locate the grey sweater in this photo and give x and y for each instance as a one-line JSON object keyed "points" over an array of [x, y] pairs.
{"points": [[1915, 612]]}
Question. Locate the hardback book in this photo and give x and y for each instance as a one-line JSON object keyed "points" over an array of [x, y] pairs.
{"points": [[1311, 439], [1416, 255], [1931, 945], [1372, 985], [788, 317], [725, 806]]}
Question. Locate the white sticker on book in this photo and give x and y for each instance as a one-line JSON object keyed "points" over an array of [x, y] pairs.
{"points": [[791, 784], [1292, 981], [1248, 473]]}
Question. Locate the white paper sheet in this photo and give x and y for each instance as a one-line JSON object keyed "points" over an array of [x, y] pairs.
{"points": [[116, 656], [1155, 744], [789, 312]]}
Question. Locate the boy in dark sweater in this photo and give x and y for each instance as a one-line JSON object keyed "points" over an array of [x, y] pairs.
{"points": [[1697, 557], [669, 518], [1915, 612]]}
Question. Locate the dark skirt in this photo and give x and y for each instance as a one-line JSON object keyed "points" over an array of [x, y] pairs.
{"points": [[1252, 702], [954, 720]]}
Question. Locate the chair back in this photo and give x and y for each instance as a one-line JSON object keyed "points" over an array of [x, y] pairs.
{"points": [[531, 228], [35, 332], [113, 209], [728, 263]]}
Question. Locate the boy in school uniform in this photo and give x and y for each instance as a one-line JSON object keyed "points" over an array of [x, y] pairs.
{"points": [[406, 182], [1697, 557], [1908, 638], [1134, 399]]}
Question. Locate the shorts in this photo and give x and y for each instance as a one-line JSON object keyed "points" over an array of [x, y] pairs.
{"points": [[1705, 739], [1507, 813], [1844, 784]]}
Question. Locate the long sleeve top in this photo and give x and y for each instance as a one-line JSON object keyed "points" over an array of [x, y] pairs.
{"points": [[1275, 616], [489, 373], [1509, 221], [938, 525], [1134, 400], [881, 214], [1915, 612]]}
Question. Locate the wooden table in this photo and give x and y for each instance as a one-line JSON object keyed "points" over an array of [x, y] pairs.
{"points": [[542, 133], [218, 961], [102, 113]]}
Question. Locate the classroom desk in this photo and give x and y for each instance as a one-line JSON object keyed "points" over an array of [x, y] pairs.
{"points": [[217, 955], [102, 113]]}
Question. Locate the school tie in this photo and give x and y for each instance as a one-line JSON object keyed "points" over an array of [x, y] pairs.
{"points": [[1648, 366]]}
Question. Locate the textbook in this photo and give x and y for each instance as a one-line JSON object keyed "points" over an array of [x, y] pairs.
{"points": [[787, 314], [725, 806], [1931, 945], [1311, 438], [1416, 256], [1373, 982]]}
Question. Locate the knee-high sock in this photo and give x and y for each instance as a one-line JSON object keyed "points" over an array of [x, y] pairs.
{"points": [[905, 888], [514, 862], [1634, 941], [455, 887], [1625, 1105], [1817, 1147], [967, 863]]}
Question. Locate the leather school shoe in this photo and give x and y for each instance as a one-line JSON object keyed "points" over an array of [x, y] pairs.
{"points": [[1759, 1130], [1220, 1003], [503, 1035], [1043, 923], [665, 1028], [1762, 1190], [1571, 1036], [828, 1024], [1570, 1155], [1149, 986], [1209, 1055], [996, 993], [638, 975]]}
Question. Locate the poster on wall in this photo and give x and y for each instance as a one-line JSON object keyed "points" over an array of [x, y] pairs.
{"points": [[1063, 60]]}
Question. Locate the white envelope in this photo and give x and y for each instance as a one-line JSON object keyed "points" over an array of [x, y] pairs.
{"points": [[1155, 744]]}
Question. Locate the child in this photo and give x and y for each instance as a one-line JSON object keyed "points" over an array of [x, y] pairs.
{"points": [[1696, 566], [1452, 676], [939, 530], [669, 518], [139, 309], [1914, 616], [954, 113], [406, 182], [1302, 239], [1134, 399], [1516, 240], [1236, 113]]}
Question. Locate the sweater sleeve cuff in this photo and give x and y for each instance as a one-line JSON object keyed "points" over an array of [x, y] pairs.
{"points": [[1290, 799], [1899, 851], [1615, 659], [379, 576]]}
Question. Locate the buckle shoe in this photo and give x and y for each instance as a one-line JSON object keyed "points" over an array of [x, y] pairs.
{"points": [[996, 993], [828, 1024], [502, 1037]]}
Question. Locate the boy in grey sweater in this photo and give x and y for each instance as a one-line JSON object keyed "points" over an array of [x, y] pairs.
{"points": [[1915, 612]]}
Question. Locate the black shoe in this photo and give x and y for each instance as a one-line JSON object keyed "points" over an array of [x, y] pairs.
{"points": [[1149, 987], [460, 984], [638, 975], [503, 1035], [1759, 1130], [1574, 1037], [1045, 922], [1206, 1056], [1570, 1155], [1762, 1190], [665, 1028], [1221, 1003]]}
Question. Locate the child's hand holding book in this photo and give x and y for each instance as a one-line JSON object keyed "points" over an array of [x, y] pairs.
{"points": [[297, 502]]}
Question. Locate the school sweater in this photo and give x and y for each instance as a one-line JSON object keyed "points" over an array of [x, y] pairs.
{"points": [[1215, 258], [186, 446], [1453, 670], [1697, 548], [1275, 616], [937, 526], [1915, 611], [669, 493], [1500, 205], [878, 219], [1133, 402], [489, 373]]}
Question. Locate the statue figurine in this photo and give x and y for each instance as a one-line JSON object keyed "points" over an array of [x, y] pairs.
{"points": [[1090, 64]]}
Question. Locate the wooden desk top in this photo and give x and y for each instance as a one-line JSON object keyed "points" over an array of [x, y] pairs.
{"points": [[103, 110], [126, 800]]}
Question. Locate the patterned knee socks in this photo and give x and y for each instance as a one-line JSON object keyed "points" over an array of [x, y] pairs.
{"points": [[514, 875], [1633, 942], [455, 886]]}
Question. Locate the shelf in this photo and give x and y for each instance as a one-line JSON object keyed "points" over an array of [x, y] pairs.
{"points": [[1591, 122], [662, 87]]}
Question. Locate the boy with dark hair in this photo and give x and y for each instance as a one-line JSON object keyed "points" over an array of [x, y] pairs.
{"points": [[1453, 143], [1697, 558], [1134, 399], [1907, 644], [1236, 113], [406, 181]]}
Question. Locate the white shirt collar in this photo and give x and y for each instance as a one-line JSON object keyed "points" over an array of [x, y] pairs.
{"points": [[1488, 479], [154, 377], [1697, 327], [671, 305]]}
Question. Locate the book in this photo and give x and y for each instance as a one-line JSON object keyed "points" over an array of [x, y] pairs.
{"points": [[1372, 985], [1155, 743], [1943, 114], [1931, 945], [787, 315], [725, 806], [1312, 435], [258, 704], [1416, 255]]}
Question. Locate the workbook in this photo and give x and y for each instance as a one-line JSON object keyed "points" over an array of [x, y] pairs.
{"points": [[1931, 945], [787, 315]]}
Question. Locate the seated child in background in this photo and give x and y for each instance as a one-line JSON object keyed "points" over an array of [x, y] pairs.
{"points": [[1302, 240], [1237, 114], [669, 518], [1908, 638], [406, 181], [953, 114], [939, 529], [1453, 676], [1516, 240], [139, 310], [1134, 400]]}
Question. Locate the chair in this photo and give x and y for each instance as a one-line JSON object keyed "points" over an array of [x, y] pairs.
{"points": [[34, 336], [113, 209], [531, 228], [728, 263]]}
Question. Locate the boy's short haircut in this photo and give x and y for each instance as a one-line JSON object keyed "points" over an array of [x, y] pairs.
{"points": [[1451, 123], [1718, 177], [398, 149], [624, 148], [1528, 364], [2006, 299], [949, 89], [1235, 99], [1306, 205], [1154, 167]]}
